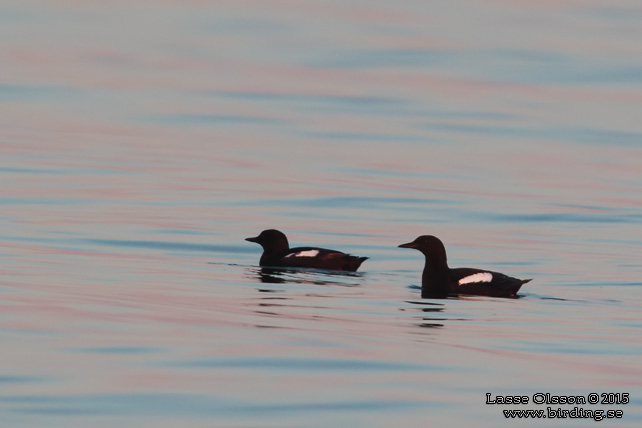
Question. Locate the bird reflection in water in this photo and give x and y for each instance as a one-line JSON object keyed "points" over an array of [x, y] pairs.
{"points": [[429, 311], [282, 301], [272, 275]]}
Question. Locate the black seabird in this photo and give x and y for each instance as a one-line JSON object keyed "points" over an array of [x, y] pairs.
{"points": [[439, 281], [277, 253]]}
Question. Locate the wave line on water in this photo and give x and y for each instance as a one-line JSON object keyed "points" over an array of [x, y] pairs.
{"points": [[166, 245]]}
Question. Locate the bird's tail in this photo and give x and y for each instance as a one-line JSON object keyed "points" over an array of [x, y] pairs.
{"points": [[354, 262]]}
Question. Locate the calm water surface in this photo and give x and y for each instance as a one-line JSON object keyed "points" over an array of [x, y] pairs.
{"points": [[141, 143]]}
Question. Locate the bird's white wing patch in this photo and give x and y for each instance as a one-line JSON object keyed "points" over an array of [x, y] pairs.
{"points": [[477, 277], [308, 253]]}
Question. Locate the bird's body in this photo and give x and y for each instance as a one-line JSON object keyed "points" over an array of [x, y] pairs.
{"points": [[277, 253], [438, 280]]}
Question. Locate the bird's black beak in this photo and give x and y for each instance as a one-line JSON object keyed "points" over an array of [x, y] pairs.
{"points": [[408, 245], [255, 239]]}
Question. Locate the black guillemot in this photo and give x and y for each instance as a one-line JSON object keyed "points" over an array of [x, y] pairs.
{"points": [[277, 253], [439, 281]]}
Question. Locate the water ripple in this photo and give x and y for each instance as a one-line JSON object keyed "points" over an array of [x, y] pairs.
{"points": [[307, 364], [166, 245]]}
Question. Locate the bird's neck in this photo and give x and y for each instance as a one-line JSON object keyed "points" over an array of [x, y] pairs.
{"points": [[434, 281], [272, 252]]}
